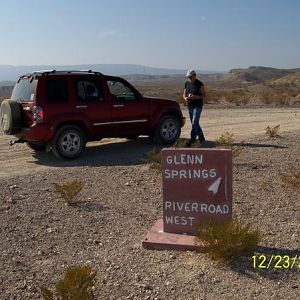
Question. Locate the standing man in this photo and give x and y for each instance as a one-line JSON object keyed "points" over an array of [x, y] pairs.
{"points": [[193, 95]]}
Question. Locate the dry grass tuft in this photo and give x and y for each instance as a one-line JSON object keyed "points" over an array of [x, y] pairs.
{"points": [[182, 143], [76, 285], [227, 140], [154, 157], [69, 191], [273, 132], [229, 241]]}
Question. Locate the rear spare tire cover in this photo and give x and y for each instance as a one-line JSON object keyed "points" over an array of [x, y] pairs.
{"points": [[10, 117]]}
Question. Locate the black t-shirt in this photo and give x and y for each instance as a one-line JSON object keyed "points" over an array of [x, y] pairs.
{"points": [[194, 89]]}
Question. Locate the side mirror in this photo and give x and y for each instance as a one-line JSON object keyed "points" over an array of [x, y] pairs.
{"points": [[139, 96]]}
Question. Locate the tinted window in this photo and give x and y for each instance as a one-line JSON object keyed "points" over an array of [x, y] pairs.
{"points": [[88, 91], [120, 91], [57, 91], [24, 90]]}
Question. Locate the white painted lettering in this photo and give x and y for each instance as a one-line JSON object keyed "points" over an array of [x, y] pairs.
{"points": [[167, 174], [187, 207], [203, 207], [204, 173], [212, 173], [182, 174], [211, 209], [180, 206], [168, 205], [219, 210], [169, 219], [191, 219], [183, 221], [198, 160], [195, 207], [225, 209], [174, 173]]}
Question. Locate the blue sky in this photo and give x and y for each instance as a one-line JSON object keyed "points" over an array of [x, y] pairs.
{"points": [[207, 35]]}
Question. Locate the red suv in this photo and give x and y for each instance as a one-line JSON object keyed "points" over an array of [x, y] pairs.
{"points": [[62, 110]]}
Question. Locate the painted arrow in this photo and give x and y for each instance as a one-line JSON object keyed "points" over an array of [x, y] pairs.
{"points": [[214, 188]]}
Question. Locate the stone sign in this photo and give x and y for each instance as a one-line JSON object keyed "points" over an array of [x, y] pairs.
{"points": [[197, 185]]}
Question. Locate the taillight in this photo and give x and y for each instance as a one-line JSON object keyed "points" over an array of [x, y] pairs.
{"points": [[38, 115]]}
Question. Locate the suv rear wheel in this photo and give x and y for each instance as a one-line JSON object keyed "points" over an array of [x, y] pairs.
{"points": [[36, 146], [10, 117], [68, 142], [168, 130]]}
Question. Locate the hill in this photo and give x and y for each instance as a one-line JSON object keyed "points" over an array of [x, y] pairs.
{"points": [[254, 75], [8, 72], [291, 81]]}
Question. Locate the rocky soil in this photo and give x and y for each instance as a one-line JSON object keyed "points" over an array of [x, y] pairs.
{"points": [[40, 235]]}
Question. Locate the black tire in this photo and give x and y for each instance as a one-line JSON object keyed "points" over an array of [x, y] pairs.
{"points": [[11, 119], [69, 142], [168, 130]]}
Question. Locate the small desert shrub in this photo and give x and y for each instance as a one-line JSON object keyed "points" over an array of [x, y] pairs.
{"points": [[236, 150], [76, 285], [227, 140], [272, 132], [229, 241], [154, 157], [182, 143], [68, 191], [292, 178]]}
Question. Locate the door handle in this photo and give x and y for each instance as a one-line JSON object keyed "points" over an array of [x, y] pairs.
{"points": [[118, 105], [81, 106]]}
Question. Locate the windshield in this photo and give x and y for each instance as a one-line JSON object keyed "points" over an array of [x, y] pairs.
{"points": [[24, 90]]}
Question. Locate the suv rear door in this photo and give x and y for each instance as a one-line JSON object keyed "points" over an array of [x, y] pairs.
{"points": [[93, 104], [24, 92], [130, 112]]}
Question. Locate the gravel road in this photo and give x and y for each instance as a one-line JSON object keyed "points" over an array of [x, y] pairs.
{"points": [[40, 235], [242, 122]]}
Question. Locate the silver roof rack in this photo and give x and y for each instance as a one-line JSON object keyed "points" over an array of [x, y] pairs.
{"points": [[47, 72]]}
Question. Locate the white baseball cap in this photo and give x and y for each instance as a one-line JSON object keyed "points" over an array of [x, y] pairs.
{"points": [[190, 73]]}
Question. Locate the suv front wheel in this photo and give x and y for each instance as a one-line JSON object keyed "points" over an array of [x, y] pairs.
{"points": [[68, 142], [168, 130]]}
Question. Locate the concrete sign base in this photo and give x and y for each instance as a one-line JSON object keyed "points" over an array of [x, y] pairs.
{"points": [[157, 239]]}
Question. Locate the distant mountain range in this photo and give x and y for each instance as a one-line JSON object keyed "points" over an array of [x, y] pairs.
{"points": [[8, 72], [235, 78]]}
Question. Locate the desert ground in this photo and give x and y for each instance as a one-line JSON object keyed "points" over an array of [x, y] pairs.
{"points": [[121, 198], [242, 122]]}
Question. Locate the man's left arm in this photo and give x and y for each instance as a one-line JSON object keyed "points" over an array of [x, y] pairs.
{"points": [[203, 92]]}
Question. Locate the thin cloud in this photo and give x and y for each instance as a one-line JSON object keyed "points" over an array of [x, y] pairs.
{"points": [[203, 18]]}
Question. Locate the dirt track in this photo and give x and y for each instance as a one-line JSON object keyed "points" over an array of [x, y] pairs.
{"points": [[243, 123]]}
